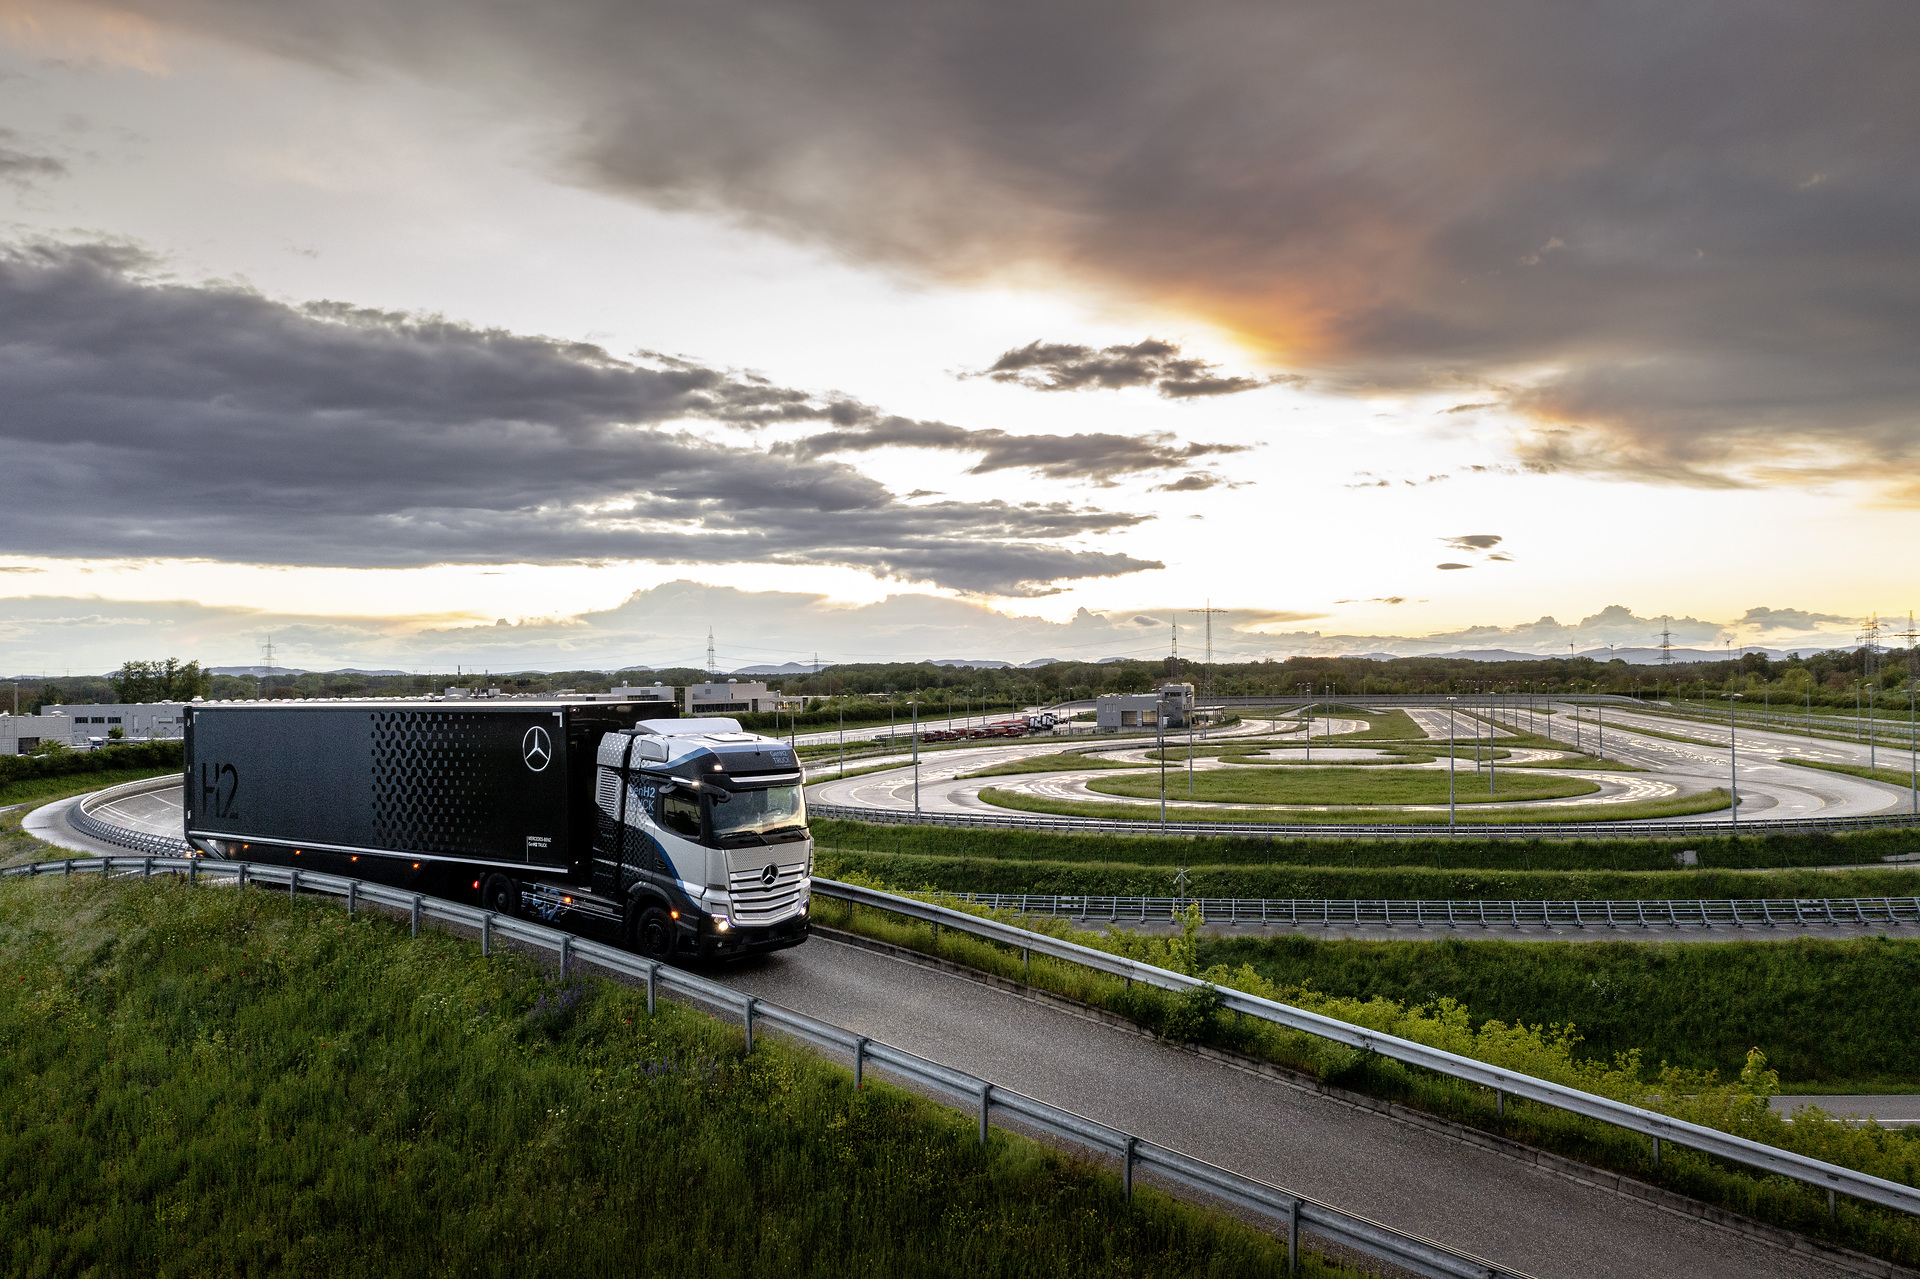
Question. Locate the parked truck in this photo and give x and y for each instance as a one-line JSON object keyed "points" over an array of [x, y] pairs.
{"points": [[683, 837]]}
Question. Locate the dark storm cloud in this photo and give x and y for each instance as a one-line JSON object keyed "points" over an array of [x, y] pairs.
{"points": [[1474, 541], [1451, 566], [1096, 456], [1677, 238], [145, 418], [1054, 366]]}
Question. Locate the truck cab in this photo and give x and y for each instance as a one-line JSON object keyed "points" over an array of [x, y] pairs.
{"points": [[701, 833]]}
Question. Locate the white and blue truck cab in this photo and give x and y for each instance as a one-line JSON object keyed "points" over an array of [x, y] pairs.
{"points": [[703, 836]]}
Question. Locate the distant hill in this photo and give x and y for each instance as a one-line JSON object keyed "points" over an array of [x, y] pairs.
{"points": [[978, 663], [262, 670]]}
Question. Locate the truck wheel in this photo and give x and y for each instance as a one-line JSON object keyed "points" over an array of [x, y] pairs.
{"points": [[500, 895], [653, 934]]}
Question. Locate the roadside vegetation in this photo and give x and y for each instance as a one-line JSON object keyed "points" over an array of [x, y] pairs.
{"points": [[1673, 806], [43, 790], [1336, 785], [1550, 1051], [1902, 777], [196, 1081]]}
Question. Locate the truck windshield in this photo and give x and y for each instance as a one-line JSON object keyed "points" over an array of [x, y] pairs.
{"points": [[749, 811]]}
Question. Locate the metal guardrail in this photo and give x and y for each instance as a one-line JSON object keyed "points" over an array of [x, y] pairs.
{"points": [[1747, 912], [1829, 1177], [1597, 829], [1286, 1209], [80, 816]]}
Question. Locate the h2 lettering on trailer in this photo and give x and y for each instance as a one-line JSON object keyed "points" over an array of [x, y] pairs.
{"points": [[219, 791]]}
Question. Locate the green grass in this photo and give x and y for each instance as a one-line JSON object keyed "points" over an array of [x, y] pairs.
{"points": [[1336, 785], [1675, 806], [1333, 849], [1544, 1052], [1828, 1012], [199, 1081], [47, 789], [1445, 881], [1897, 776]]}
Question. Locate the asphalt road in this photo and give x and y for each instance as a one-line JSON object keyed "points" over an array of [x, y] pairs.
{"points": [[1415, 1180]]}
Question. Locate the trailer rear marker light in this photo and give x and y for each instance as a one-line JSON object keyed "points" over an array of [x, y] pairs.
{"points": [[673, 914]]}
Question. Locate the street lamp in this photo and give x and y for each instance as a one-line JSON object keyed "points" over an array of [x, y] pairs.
{"points": [[1160, 735], [916, 754], [1450, 809], [1733, 762]]}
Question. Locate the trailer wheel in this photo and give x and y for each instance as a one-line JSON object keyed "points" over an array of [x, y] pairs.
{"points": [[653, 934], [500, 895]]}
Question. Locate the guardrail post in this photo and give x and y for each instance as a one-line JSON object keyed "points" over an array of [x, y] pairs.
{"points": [[486, 934], [1026, 963], [68, 868], [293, 882], [860, 1063], [653, 977], [193, 870], [986, 1100], [1833, 1207], [146, 868], [243, 877], [414, 915], [1293, 1239], [752, 1002], [1656, 1152], [106, 867], [566, 953], [1499, 1102], [1126, 1167], [353, 896]]}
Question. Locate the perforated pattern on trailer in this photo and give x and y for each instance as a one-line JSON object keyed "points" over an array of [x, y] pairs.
{"points": [[431, 774]]}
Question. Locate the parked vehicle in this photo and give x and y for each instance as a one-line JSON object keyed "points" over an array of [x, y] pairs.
{"points": [[687, 836]]}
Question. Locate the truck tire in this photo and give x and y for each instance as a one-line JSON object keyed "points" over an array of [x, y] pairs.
{"points": [[500, 895], [654, 933]]}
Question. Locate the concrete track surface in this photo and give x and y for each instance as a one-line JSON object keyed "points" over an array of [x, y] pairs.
{"points": [[1394, 1172]]}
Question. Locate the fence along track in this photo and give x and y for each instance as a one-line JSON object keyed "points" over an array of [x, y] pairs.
{"points": [[1288, 1211], [1598, 829], [1829, 1177], [1754, 912]]}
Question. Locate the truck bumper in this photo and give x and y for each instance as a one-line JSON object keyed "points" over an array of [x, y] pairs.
{"points": [[740, 942]]}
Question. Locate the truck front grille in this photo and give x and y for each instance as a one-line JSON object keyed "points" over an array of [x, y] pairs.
{"points": [[756, 902]]}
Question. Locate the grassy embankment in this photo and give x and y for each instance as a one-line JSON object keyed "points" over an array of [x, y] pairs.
{"points": [[44, 790], [1336, 785], [1902, 777], [1674, 806], [199, 1081], [1329, 866], [1551, 1052], [1826, 1013]]}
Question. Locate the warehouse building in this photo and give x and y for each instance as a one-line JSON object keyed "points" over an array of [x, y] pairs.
{"points": [[1115, 711], [137, 721], [22, 734]]}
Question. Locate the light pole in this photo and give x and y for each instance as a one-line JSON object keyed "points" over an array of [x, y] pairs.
{"points": [[843, 737], [1189, 752], [916, 755], [1733, 762], [1160, 734], [1450, 810]]}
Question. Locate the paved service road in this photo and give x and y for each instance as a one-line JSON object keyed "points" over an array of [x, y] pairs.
{"points": [[1415, 1180]]}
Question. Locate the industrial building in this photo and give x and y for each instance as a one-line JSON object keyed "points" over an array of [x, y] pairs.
{"points": [[1115, 711], [21, 734], [137, 721]]}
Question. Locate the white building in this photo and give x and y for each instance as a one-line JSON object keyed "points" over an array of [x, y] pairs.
{"points": [[137, 721], [730, 698], [20, 734], [654, 692], [1143, 710]]}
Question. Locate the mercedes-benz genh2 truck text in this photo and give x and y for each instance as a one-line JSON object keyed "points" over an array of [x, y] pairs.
{"points": [[685, 837]]}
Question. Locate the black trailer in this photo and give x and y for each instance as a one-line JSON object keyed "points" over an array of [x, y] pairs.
{"points": [[505, 802]]}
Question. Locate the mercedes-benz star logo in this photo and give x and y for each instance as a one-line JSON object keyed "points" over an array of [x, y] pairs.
{"points": [[536, 748], [770, 874]]}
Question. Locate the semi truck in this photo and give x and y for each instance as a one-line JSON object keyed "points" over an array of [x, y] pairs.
{"points": [[680, 837]]}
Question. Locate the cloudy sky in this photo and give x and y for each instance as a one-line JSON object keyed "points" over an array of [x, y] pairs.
{"points": [[509, 335]]}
